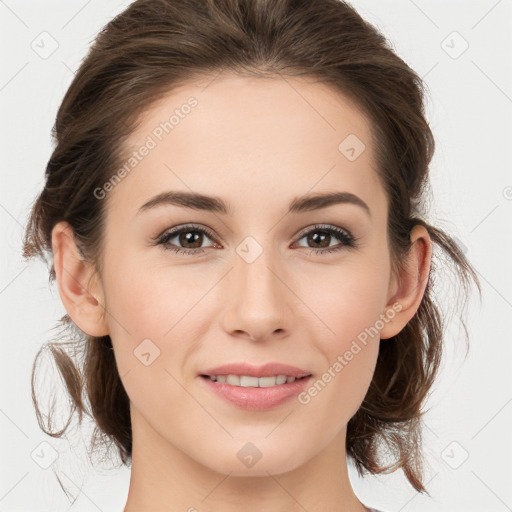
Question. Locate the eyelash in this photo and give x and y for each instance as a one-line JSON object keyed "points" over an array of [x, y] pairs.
{"points": [[348, 240]]}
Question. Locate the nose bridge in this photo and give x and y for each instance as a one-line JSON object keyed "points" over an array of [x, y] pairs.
{"points": [[258, 302], [255, 266]]}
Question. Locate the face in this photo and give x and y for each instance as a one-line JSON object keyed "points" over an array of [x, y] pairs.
{"points": [[189, 285]]}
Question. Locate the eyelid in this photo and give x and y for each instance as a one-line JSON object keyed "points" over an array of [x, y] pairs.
{"points": [[178, 229], [344, 235]]}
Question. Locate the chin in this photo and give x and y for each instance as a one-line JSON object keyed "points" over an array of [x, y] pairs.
{"points": [[258, 458]]}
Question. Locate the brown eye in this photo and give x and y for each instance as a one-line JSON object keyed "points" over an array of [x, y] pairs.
{"points": [[192, 237], [320, 240], [320, 237], [187, 240]]}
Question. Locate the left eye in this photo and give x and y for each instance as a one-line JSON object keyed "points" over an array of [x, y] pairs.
{"points": [[323, 235], [192, 238]]}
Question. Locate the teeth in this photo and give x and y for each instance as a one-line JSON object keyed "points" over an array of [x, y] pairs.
{"points": [[247, 381]]}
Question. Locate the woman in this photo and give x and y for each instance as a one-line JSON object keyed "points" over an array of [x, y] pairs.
{"points": [[234, 210]]}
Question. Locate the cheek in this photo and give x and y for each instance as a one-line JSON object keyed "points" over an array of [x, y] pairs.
{"points": [[348, 299], [152, 302], [158, 317], [349, 305], [144, 314], [152, 335], [349, 346]]}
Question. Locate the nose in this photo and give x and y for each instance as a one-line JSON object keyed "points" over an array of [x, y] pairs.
{"points": [[258, 301]]}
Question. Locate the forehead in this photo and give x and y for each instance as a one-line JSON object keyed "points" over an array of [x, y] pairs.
{"points": [[252, 137]]}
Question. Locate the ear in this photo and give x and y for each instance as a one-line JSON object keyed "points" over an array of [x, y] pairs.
{"points": [[79, 286], [407, 288]]}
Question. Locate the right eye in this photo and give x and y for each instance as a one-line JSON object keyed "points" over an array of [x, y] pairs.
{"points": [[183, 236]]}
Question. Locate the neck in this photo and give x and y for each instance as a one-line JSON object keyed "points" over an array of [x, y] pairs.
{"points": [[164, 479]]}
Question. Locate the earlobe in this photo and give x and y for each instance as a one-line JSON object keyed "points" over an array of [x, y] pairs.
{"points": [[79, 288], [409, 286]]}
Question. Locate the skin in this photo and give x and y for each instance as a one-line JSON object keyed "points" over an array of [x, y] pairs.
{"points": [[290, 305]]}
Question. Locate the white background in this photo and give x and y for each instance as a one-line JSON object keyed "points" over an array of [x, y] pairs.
{"points": [[469, 108]]}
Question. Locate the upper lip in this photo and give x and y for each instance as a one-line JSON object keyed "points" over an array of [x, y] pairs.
{"points": [[267, 370]]}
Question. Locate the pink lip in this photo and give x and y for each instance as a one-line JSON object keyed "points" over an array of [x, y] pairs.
{"points": [[267, 370], [256, 399]]}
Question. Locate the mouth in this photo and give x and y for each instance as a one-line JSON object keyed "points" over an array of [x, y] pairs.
{"points": [[255, 393], [256, 388], [250, 381]]}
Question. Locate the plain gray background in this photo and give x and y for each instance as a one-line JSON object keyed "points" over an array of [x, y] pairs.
{"points": [[462, 49]]}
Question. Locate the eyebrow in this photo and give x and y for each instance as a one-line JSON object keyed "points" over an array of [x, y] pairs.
{"points": [[306, 203]]}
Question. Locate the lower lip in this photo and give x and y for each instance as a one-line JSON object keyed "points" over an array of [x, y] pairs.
{"points": [[257, 399]]}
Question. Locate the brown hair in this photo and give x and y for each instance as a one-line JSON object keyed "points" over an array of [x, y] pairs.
{"points": [[155, 45]]}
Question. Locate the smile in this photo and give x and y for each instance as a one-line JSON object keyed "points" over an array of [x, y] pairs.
{"points": [[247, 381]]}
